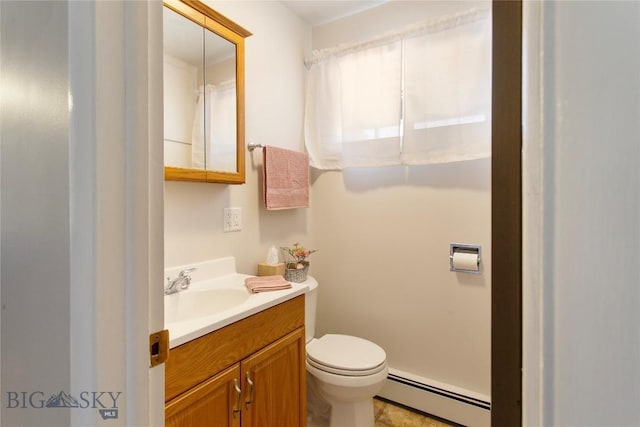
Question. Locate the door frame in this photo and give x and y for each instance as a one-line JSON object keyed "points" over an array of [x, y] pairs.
{"points": [[506, 215]]}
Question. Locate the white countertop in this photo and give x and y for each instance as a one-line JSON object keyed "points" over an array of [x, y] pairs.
{"points": [[183, 331]]}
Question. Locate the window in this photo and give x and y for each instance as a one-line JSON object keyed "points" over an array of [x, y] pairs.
{"points": [[419, 97]]}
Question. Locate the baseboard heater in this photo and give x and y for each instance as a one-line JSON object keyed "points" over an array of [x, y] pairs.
{"points": [[444, 401]]}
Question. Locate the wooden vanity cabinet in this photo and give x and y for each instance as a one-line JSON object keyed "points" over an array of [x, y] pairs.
{"points": [[250, 373], [212, 403], [279, 386]]}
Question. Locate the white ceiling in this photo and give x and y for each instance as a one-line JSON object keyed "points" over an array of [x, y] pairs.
{"points": [[179, 31], [317, 12]]}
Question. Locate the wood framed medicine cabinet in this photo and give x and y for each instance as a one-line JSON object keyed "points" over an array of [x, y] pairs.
{"points": [[203, 94]]}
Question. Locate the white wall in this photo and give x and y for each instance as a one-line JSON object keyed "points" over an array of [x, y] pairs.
{"points": [[384, 236], [587, 296], [274, 81]]}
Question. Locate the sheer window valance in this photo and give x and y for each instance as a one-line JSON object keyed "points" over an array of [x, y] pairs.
{"points": [[417, 97]]}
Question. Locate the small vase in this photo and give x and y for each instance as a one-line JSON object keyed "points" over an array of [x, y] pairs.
{"points": [[294, 274]]}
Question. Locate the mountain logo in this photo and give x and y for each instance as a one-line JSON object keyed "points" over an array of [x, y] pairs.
{"points": [[106, 402], [62, 400]]}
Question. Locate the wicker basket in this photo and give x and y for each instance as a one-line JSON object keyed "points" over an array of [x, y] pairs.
{"points": [[297, 275]]}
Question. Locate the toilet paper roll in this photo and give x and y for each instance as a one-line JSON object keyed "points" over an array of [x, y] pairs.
{"points": [[465, 261]]}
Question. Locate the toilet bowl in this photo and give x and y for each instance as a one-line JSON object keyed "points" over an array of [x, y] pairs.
{"points": [[343, 370]]}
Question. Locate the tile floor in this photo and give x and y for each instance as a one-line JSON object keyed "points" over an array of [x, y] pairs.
{"points": [[389, 415]]}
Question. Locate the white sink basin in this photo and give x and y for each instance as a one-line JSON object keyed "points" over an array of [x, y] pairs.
{"points": [[216, 298], [193, 304]]}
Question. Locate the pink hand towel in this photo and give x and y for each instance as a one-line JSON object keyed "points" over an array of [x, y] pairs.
{"points": [[266, 283], [286, 178]]}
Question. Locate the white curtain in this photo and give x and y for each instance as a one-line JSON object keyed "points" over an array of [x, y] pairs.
{"points": [[353, 109], [198, 143], [448, 94], [415, 97], [214, 128]]}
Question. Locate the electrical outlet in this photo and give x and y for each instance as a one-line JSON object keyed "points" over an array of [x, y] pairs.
{"points": [[232, 219], [236, 219]]}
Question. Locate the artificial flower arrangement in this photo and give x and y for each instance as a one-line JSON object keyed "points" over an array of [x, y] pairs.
{"points": [[299, 254]]}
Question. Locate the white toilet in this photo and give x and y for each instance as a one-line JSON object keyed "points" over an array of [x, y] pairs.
{"points": [[345, 371]]}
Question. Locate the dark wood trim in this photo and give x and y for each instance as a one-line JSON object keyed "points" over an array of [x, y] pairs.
{"points": [[506, 216]]}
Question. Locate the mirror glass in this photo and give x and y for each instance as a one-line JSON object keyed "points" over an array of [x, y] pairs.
{"points": [[183, 70], [203, 94], [219, 103]]}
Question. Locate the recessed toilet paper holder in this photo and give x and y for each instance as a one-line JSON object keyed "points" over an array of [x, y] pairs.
{"points": [[463, 248]]}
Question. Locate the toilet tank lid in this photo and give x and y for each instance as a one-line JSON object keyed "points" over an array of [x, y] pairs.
{"points": [[346, 352]]}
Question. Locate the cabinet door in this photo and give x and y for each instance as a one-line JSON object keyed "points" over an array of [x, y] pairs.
{"points": [[274, 384], [214, 403]]}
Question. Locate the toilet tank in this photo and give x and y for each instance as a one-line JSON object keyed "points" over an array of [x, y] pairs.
{"points": [[310, 304]]}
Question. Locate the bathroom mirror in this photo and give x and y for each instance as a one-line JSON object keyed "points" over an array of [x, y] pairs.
{"points": [[203, 94]]}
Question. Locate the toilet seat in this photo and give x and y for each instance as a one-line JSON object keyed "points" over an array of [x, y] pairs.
{"points": [[346, 355]]}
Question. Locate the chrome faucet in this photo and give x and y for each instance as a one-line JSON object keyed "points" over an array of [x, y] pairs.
{"points": [[181, 282]]}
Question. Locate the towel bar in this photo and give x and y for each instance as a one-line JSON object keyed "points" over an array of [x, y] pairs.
{"points": [[252, 146]]}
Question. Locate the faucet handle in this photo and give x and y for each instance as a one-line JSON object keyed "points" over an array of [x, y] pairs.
{"points": [[186, 271], [186, 279]]}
